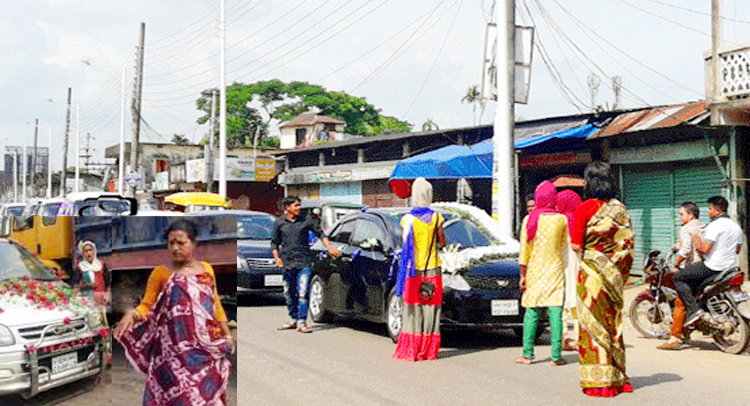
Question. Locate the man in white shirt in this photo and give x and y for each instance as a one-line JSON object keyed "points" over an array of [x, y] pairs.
{"points": [[720, 244]]}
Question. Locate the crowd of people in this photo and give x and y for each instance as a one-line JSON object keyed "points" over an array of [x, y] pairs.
{"points": [[575, 259]]}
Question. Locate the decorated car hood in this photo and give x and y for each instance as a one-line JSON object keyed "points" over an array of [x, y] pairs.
{"points": [[25, 301]]}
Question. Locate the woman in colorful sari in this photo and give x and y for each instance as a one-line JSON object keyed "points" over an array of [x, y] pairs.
{"points": [[419, 278], [543, 256], [178, 336], [567, 202], [602, 231]]}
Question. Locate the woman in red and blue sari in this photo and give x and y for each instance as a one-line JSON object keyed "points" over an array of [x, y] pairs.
{"points": [[178, 336], [419, 279]]}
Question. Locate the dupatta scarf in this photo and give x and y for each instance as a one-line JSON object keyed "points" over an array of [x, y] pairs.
{"points": [[181, 347], [604, 269]]}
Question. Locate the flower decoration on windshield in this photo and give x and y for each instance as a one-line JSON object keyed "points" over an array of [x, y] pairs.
{"points": [[26, 292]]}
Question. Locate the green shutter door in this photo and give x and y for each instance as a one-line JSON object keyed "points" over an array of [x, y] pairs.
{"points": [[696, 183], [648, 198], [653, 196]]}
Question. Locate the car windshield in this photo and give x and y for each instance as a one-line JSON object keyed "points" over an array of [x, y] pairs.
{"points": [[15, 211], [102, 207], [255, 227], [51, 209], [16, 262]]}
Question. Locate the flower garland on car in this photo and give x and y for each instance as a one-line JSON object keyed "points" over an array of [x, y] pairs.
{"points": [[455, 259], [27, 292]]}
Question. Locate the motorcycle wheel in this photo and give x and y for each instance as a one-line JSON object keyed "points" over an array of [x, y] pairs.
{"points": [[650, 319], [736, 342]]}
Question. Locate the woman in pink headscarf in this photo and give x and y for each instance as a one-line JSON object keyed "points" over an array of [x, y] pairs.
{"points": [[544, 239], [567, 202]]}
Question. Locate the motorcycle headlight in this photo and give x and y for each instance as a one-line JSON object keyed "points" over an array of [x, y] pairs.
{"points": [[455, 282], [6, 336]]}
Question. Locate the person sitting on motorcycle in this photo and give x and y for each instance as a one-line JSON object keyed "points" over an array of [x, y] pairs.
{"points": [[720, 245], [686, 255]]}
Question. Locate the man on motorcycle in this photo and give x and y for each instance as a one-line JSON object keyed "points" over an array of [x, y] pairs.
{"points": [[720, 244], [686, 255]]}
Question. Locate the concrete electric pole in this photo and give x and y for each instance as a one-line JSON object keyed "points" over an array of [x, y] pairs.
{"points": [[136, 107], [503, 190]]}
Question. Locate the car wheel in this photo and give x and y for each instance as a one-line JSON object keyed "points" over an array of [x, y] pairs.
{"points": [[393, 315], [318, 312]]}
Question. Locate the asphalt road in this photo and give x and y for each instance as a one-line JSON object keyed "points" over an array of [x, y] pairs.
{"points": [[349, 363]]}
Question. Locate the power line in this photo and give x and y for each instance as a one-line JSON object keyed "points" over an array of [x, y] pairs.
{"points": [[701, 12], [434, 61]]}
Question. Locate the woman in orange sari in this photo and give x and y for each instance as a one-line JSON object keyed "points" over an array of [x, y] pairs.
{"points": [[178, 336], [602, 231]]}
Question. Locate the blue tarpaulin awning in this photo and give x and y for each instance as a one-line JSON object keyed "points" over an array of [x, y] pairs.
{"points": [[465, 161]]}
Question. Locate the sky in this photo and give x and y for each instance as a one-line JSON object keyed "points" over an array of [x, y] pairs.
{"points": [[413, 60]]}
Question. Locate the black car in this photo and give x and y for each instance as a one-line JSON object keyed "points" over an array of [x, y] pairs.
{"points": [[360, 283], [256, 267]]}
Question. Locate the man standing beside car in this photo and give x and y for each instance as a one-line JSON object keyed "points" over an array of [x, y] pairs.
{"points": [[290, 245]]}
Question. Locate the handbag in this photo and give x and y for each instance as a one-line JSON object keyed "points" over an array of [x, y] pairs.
{"points": [[427, 288]]}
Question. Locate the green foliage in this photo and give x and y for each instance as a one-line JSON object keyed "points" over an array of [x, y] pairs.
{"points": [[284, 101], [178, 139]]}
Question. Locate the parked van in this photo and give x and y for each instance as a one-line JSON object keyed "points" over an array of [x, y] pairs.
{"points": [[73, 202]]}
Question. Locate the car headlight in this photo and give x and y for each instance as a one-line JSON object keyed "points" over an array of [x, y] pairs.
{"points": [[455, 282], [239, 262], [94, 320], [6, 336]]}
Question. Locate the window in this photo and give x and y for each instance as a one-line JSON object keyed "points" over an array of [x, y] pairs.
{"points": [[343, 232], [465, 233], [368, 236], [161, 166]]}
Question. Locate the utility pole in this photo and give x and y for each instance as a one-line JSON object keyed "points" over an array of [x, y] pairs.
{"points": [[24, 165], [76, 187], [49, 163], [87, 156], [715, 62], [63, 176], [503, 161], [136, 107], [223, 113], [211, 149], [33, 159], [617, 88], [593, 83]]}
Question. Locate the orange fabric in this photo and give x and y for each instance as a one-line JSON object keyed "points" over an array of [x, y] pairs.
{"points": [[158, 279], [678, 313]]}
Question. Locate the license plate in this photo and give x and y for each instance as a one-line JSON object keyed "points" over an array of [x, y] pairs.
{"points": [[274, 280], [504, 307], [64, 362]]}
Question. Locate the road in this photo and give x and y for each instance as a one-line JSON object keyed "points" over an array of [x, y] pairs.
{"points": [[349, 363]]}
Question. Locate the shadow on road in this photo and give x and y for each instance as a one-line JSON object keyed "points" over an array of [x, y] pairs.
{"points": [[655, 379], [259, 299]]}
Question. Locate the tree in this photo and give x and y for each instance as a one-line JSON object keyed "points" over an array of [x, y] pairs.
{"points": [[429, 125], [178, 139], [473, 97], [283, 101]]}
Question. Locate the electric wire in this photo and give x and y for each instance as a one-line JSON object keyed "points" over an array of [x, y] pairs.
{"points": [[434, 61], [702, 12]]}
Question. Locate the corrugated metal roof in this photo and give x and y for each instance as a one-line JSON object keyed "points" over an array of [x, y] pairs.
{"points": [[308, 119], [658, 117]]}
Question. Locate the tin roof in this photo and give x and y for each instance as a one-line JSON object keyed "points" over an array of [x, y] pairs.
{"points": [[654, 118], [311, 118]]}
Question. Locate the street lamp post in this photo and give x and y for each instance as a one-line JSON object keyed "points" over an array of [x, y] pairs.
{"points": [[121, 160], [49, 157]]}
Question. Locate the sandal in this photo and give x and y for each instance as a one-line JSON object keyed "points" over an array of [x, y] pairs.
{"points": [[523, 360], [288, 326], [302, 328]]}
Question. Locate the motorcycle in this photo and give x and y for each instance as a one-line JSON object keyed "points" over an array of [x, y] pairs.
{"points": [[726, 305]]}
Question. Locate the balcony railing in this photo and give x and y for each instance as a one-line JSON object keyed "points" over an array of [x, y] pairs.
{"points": [[734, 70]]}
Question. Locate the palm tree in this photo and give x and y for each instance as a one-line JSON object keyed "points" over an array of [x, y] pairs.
{"points": [[474, 97], [180, 140]]}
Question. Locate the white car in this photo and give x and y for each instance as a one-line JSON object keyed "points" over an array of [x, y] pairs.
{"points": [[48, 336]]}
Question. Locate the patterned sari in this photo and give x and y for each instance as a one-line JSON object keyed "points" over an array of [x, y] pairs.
{"points": [[604, 269], [181, 347]]}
